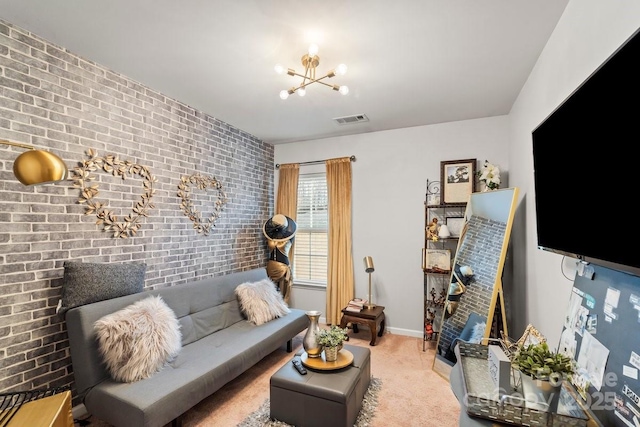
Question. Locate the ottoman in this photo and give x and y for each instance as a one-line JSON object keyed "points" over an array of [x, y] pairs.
{"points": [[321, 398]]}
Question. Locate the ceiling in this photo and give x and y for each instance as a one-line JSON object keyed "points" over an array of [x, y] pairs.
{"points": [[410, 62]]}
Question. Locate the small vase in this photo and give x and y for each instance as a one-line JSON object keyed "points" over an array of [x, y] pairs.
{"points": [[444, 232], [543, 394], [309, 343], [331, 354]]}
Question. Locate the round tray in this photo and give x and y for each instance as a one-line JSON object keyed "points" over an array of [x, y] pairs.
{"points": [[345, 357]]}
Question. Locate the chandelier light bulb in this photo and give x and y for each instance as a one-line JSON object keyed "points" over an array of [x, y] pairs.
{"points": [[313, 50], [344, 90], [302, 91], [341, 69], [284, 94], [279, 69]]}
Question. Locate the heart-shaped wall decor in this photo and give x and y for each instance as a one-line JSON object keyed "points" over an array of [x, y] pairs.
{"points": [[111, 163], [188, 208]]}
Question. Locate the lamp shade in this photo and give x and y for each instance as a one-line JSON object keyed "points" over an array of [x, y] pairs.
{"points": [[368, 264], [39, 167]]}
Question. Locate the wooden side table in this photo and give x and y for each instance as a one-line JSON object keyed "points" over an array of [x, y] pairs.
{"points": [[372, 317]]}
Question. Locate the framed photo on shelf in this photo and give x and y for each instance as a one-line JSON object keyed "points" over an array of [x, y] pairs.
{"points": [[455, 225], [437, 260], [458, 180]]}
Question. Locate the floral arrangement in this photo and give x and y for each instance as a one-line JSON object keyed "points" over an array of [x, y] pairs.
{"points": [[331, 337], [489, 174]]}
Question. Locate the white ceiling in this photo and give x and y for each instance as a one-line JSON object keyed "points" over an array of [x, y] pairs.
{"points": [[410, 62]]}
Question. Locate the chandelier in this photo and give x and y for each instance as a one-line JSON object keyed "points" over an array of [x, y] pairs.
{"points": [[310, 61]]}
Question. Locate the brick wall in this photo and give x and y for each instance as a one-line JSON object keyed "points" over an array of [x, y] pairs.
{"points": [[480, 249], [58, 101]]}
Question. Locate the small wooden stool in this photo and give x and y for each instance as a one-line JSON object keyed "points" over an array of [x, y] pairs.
{"points": [[372, 317]]}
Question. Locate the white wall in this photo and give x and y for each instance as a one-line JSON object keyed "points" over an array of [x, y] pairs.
{"points": [[588, 32], [389, 184], [392, 168]]}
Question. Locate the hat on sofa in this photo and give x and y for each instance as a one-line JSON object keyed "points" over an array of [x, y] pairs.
{"points": [[279, 227]]}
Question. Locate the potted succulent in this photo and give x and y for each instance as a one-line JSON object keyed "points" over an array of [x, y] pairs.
{"points": [[331, 339], [542, 372]]}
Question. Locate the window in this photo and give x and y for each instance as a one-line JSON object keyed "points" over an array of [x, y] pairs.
{"points": [[312, 235]]}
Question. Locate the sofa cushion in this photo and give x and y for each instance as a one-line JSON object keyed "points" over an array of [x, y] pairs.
{"points": [[261, 301], [138, 340], [86, 282]]}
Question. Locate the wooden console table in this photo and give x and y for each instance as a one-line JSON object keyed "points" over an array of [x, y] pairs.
{"points": [[371, 317]]}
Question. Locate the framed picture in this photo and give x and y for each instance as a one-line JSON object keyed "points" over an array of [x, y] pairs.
{"points": [[437, 260], [458, 180], [455, 225]]}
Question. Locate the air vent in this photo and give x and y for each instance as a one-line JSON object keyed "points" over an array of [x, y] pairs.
{"points": [[351, 119]]}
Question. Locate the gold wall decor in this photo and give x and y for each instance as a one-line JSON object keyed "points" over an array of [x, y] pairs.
{"points": [[83, 177], [189, 209]]}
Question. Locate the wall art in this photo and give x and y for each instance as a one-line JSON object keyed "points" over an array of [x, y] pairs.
{"points": [[455, 224], [437, 261], [458, 181], [188, 208], [84, 177]]}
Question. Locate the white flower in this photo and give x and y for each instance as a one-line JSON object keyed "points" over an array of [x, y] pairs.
{"points": [[490, 175]]}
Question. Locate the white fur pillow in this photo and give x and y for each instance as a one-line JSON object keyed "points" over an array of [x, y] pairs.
{"points": [[477, 333], [261, 301], [138, 340]]}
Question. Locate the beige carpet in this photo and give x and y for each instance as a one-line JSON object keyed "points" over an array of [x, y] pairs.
{"points": [[412, 394]]}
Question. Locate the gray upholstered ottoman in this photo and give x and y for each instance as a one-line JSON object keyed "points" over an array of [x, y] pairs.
{"points": [[321, 398]]}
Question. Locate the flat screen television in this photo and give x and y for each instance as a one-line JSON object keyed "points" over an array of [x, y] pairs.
{"points": [[586, 173]]}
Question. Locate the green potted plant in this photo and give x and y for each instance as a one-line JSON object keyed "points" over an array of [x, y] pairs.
{"points": [[331, 339], [542, 372]]}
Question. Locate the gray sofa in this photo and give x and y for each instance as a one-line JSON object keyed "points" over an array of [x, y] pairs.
{"points": [[218, 344]]}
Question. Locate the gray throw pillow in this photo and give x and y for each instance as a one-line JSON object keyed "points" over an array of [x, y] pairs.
{"points": [[86, 282]]}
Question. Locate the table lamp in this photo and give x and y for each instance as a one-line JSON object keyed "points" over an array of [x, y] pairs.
{"points": [[368, 267]]}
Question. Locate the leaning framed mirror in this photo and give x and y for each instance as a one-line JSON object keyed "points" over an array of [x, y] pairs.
{"points": [[475, 301]]}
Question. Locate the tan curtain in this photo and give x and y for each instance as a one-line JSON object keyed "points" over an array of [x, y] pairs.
{"points": [[286, 204], [287, 201], [340, 282]]}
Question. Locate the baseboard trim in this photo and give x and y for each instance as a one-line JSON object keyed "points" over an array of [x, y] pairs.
{"points": [[79, 412], [405, 332]]}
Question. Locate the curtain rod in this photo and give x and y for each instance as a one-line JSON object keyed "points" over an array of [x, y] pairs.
{"points": [[315, 162]]}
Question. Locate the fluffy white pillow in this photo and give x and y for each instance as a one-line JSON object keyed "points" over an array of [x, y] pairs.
{"points": [[261, 301], [138, 340], [477, 333]]}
